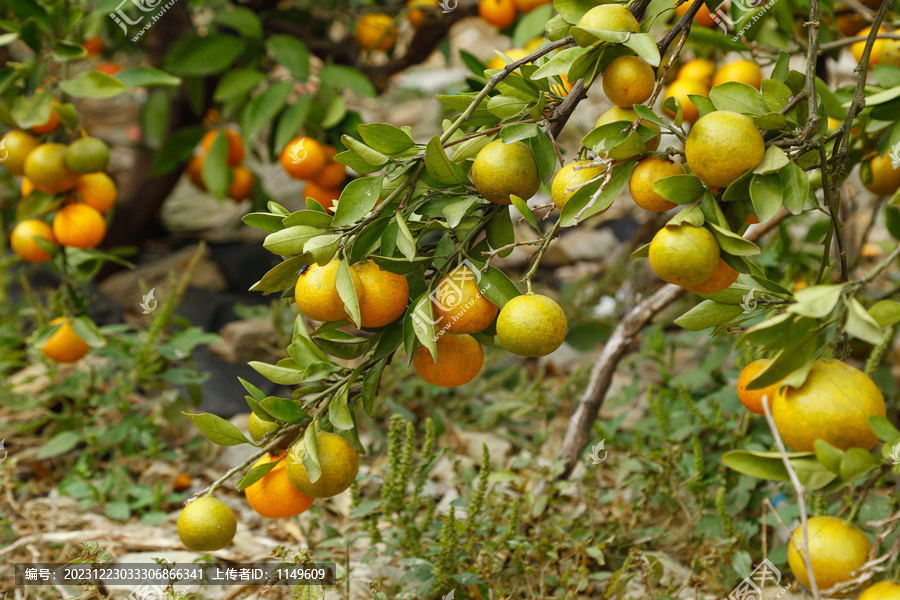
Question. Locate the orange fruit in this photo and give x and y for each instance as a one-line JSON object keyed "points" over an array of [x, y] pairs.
{"points": [[885, 178], [326, 197], [51, 124], [459, 361], [303, 158], [571, 175], [332, 176], [383, 295], [194, 170], [683, 89], [316, 292], [416, 15], [458, 305], [883, 590], [94, 45], [79, 226], [14, 149], [339, 462], [610, 17], [22, 240], [87, 155], [273, 496], [833, 404], [27, 187], [235, 145], [46, 168], [722, 146], [752, 399], [498, 62], [499, 13], [698, 69], [64, 346], [526, 6], [721, 279], [501, 170], [258, 428], [851, 23], [628, 80], [97, 190], [241, 183], [836, 549], [376, 31], [703, 18], [884, 52], [108, 68], [743, 71], [684, 254], [644, 175], [531, 325], [206, 524], [626, 116]]}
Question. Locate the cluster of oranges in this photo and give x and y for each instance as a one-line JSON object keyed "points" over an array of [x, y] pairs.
{"points": [[697, 76], [242, 178], [308, 160], [502, 13]]}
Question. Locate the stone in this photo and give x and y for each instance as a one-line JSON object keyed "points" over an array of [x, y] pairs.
{"points": [[244, 341]]}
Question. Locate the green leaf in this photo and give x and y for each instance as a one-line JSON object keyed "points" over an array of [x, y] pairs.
{"points": [[195, 55], [708, 314], [252, 389], [310, 458], [621, 175], [64, 51], [559, 63], [507, 107], [217, 430], [437, 164], [339, 412], [286, 411], [817, 301], [216, 173], [774, 160], [29, 9], [290, 53], [829, 456], [387, 139], [642, 252], [372, 157], [861, 325], [680, 189], [177, 149], [812, 474], [142, 76], [290, 241], [347, 291], [255, 474], [241, 19], [357, 200], [798, 357], [310, 218], [531, 25], [761, 465], [857, 463], [495, 285], [644, 46], [795, 187], [518, 131], [573, 10], [277, 374], [323, 247], [405, 241], [767, 195], [421, 319], [771, 121], [262, 110], [587, 36], [349, 79], [93, 84], [523, 209], [692, 215], [886, 313], [292, 119], [883, 428], [738, 97], [544, 156], [500, 232], [732, 243], [370, 384], [59, 444]]}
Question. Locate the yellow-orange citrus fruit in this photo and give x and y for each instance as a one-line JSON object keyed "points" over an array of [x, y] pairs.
{"points": [[235, 145], [97, 190], [884, 52], [459, 361], [514, 54], [531, 325], [332, 175], [833, 404], [561, 89], [628, 115], [87, 155], [752, 399], [836, 549], [526, 6], [628, 80], [339, 462], [376, 31], [885, 178], [22, 240], [721, 279], [241, 183], [273, 496], [326, 197], [14, 149], [416, 15], [743, 71], [383, 295], [64, 346], [683, 89], [108, 68], [459, 306], [722, 146], [645, 173], [883, 590], [194, 170], [703, 18], [316, 292], [499, 13], [27, 187], [698, 69], [303, 158], [501, 170], [534, 45], [94, 45], [684, 254], [259, 428], [610, 17], [571, 175], [46, 168], [79, 226], [51, 124], [206, 525]]}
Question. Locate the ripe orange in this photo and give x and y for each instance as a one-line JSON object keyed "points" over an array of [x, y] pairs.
{"points": [[273, 496], [883, 590], [332, 176], [64, 346], [459, 361], [241, 183], [79, 226], [108, 68], [97, 190], [834, 405], [339, 462], [303, 158], [94, 45], [721, 279], [376, 31], [641, 185], [704, 17], [259, 428], [752, 399], [499, 13], [743, 71], [87, 155], [501, 170], [684, 254], [16, 145], [626, 116], [194, 170], [22, 240], [316, 292], [416, 15], [235, 145], [526, 6], [571, 175], [27, 187], [836, 549], [884, 52], [885, 178], [326, 197], [628, 80], [610, 17], [46, 168], [531, 325], [206, 524], [51, 124], [722, 146], [459, 306], [698, 69], [683, 89], [383, 295]]}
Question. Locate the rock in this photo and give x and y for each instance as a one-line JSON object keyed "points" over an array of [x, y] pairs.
{"points": [[598, 245], [243, 341]]}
